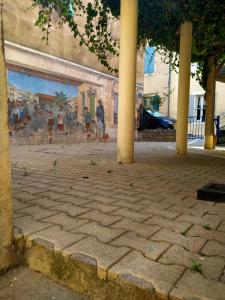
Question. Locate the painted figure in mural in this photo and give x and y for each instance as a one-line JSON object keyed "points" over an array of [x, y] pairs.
{"points": [[15, 114], [87, 121], [69, 120], [50, 125], [100, 114], [35, 111], [76, 111], [60, 124], [140, 110]]}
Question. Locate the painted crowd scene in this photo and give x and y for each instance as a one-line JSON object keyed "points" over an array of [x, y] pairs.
{"points": [[45, 111]]}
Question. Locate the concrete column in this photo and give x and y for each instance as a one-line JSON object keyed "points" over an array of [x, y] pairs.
{"points": [[184, 87], [127, 80], [210, 105], [5, 173]]}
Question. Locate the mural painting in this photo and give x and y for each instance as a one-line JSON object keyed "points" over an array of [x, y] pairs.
{"points": [[43, 110]]}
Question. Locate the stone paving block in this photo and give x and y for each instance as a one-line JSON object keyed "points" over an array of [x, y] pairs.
{"points": [[162, 277], [141, 229], [68, 223], [19, 214], [52, 195], [212, 221], [133, 206], [214, 248], [150, 203], [18, 205], [131, 199], [222, 279], [71, 209], [198, 230], [28, 225], [60, 238], [178, 227], [76, 201], [126, 191], [150, 249], [102, 198], [58, 189], [177, 200], [101, 218], [105, 255], [23, 196], [32, 190], [105, 208], [188, 211], [136, 216], [222, 227], [44, 202], [164, 213], [212, 267], [150, 197], [193, 244], [193, 285], [104, 234], [77, 193], [103, 194], [37, 212]]}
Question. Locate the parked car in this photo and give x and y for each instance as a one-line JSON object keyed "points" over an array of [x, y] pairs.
{"points": [[150, 120]]}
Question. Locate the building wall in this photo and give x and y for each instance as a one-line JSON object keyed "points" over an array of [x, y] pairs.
{"points": [[157, 83], [20, 29]]}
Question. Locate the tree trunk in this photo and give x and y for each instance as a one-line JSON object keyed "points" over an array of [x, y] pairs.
{"points": [[210, 104], [5, 176]]}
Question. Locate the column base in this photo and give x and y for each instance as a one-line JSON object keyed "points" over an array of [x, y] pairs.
{"points": [[210, 142]]}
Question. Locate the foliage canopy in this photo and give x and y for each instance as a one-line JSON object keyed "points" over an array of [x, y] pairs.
{"points": [[158, 25]]}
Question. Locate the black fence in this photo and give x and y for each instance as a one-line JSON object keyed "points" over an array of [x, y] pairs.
{"points": [[196, 127]]}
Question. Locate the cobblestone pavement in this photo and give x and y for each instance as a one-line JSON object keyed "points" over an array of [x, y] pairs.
{"points": [[25, 284], [141, 219]]}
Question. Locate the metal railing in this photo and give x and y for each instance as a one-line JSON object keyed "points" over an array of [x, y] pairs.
{"points": [[196, 128]]}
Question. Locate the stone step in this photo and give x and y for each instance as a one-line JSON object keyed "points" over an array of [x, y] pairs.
{"points": [[132, 276]]}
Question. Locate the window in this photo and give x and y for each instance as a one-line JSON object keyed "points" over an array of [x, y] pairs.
{"points": [[149, 63], [71, 9], [200, 108], [152, 102]]}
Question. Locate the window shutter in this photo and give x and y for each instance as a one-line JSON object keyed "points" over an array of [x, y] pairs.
{"points": [[149, 64]]}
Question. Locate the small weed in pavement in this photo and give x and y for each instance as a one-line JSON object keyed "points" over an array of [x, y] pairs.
{"points": [[206, 227], [55, 163], [26, 173], [196, 266]]}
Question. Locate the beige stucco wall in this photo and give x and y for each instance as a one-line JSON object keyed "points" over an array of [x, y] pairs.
{"points": [[196, 89], [20, 29], [157, 82]]}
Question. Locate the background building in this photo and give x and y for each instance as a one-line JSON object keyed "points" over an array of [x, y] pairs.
{"points": [[160, 80]]}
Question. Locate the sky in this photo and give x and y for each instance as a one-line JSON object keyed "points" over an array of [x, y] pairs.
{"points": [[40, 85]]}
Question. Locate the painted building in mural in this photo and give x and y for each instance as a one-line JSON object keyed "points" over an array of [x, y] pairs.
{"points": [[51, 82]]}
